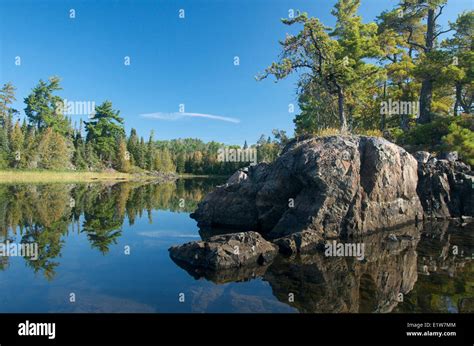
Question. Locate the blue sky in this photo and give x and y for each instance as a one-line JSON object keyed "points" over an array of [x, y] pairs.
{"points": [[173, 61]]}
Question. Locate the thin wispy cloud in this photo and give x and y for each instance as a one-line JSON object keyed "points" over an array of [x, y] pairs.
{"points": [[181, 115]]}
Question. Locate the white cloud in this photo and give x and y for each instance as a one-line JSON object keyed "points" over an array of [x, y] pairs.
{"points": [[180, 115]]}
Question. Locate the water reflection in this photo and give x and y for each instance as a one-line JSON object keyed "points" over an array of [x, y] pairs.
{"points": [[435, 255], [424, 268], [45, 214]]}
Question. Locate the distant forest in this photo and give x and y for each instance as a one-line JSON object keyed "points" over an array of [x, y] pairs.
{"points": [[47, 139]]}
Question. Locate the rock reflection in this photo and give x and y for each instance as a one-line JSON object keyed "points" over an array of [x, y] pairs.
{"points": [[345, 284], [424, 268], [224, 276]]}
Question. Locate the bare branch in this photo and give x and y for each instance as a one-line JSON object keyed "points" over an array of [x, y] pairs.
{"points": [[410, 30], [442, 32], [439, 14]]}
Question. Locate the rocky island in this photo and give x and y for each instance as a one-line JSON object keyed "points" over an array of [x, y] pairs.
{"points": [[321, 188]]}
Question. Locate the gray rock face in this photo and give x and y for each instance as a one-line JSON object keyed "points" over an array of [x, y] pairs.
{"points": [[449, 156], [446, 188], [226, 251], [332, 186], [422, 156], [300, 242]]}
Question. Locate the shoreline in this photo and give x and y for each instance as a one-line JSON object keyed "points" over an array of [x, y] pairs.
{"points": [[25, 176]]}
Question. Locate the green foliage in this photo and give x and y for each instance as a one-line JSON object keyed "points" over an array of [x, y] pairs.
{"points": [[336, 78], [104, 130], [7, 96], [53, 151], [16, 145], [442, 134], [123, 158], [45, 110], [460, 138]]}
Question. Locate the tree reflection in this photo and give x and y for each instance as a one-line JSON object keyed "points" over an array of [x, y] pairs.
{"points": [[45, 214]]}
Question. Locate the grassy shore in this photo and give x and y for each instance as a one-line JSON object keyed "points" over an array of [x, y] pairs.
{"points": [[188, 175], [38, 176], [18, 176]]}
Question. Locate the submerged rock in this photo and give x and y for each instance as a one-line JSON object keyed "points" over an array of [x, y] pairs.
{"points": [[334, 186], [446, 187], [226, 251]]}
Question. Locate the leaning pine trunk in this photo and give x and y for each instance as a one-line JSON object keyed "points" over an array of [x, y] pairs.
{"points": [[458, 99], [426, 92], [426, 95], [340, 106]]}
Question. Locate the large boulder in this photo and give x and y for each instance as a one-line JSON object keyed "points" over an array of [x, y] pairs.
{"points": [[226, 251], [445, 186], [338, 185]]}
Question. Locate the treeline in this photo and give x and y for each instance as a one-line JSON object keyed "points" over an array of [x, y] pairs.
{"points": [[47, 139], [195, 156], [399, 73]]}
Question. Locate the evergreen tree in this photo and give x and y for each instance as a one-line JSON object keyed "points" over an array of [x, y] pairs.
{"points": [[461, 56], [123, 157], [30, 149], [45, 110], [414, 12], [53, 151], [150, 152], [132, 146], [332, 61], [16, 145], [7, 96], [180, 163], [79, 158], [104, 130]]}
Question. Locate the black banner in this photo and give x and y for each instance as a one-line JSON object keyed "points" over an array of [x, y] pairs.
{"points": [[237, 329]]}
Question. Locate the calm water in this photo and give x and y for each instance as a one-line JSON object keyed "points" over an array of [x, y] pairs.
{"points": [[83, 232]]}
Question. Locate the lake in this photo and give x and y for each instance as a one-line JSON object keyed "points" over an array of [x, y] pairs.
{"points": [[104, 248]]}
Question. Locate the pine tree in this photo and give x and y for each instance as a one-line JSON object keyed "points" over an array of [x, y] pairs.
{"points": [[30, 149], [92, 160], [167, 162], [53, 151], [79, 158], [180, 163], [7, 96], [150, 153], [16, 145], [461, 55], [141, 151], [123, 157], [103, 131], [44, 110], [132, 146]]}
